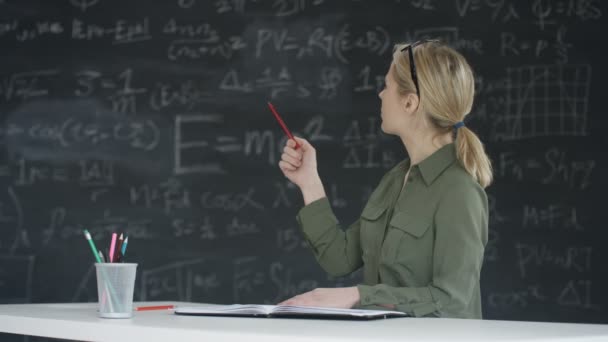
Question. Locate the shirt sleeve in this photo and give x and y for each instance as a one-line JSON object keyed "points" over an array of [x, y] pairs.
{"points": [[461, 236], [336, 250]]}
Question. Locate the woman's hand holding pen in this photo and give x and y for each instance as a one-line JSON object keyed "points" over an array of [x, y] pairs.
{"points": [[300, 167]]}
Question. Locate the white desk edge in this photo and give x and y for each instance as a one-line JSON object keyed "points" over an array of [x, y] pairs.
{"points": [[79, 321]]}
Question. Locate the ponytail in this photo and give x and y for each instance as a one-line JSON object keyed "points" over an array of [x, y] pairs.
{"points": [[472, 156]]}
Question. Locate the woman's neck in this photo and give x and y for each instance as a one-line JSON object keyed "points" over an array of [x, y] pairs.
{"points": [[420, 147]]}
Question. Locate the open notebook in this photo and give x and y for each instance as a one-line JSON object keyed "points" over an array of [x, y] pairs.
{"points": [[284, 311]]}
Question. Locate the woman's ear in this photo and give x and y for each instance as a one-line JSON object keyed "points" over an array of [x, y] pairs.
{"points": [[409, 103]]}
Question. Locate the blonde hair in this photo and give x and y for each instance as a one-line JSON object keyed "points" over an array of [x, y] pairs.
{"points": [[447, 88]]}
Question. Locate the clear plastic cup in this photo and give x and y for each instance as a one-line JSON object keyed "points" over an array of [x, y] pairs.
{"points": [[115, 286]]}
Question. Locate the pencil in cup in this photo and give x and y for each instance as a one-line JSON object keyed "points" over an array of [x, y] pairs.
{"points": [[99, 259], [112, 247], [104, 295]]}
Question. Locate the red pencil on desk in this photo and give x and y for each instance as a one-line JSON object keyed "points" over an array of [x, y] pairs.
{"points": [[278, 117], [154, 307]]}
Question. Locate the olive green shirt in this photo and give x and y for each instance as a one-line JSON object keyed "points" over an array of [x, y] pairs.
{"points": [[421, 244]]}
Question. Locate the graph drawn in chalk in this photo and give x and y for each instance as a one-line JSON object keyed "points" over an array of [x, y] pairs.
{"points": [[545, 100]]}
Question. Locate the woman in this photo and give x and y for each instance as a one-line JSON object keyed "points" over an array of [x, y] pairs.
{"points": [[422, 234]]}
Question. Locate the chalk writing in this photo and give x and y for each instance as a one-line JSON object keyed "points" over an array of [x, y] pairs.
{"points": [[551, 217], [179, 280], [83, 5], [555, 167], [136, 134], [319, 42], [26, 85], [576, 259], [120, 32]]}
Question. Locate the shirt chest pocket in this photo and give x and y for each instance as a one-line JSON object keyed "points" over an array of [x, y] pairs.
{"points": [[408, 240]]}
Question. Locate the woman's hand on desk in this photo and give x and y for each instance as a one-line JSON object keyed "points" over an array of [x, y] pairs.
{"points": [[342, 297], [300, 167]]}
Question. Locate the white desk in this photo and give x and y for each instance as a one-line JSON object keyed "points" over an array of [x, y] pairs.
{"points": [[79, 321]]}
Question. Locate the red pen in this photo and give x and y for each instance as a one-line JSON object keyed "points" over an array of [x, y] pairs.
{"points": [[154, 307], [278, 117]]}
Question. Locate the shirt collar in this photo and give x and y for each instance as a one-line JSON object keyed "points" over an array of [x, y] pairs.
{"points": [[432, 166]]}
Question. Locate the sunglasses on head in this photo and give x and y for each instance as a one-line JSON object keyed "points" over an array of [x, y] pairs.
{"points": [[410, 53]]}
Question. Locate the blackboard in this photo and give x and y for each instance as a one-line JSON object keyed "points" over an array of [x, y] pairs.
{"points": [[150, 118]]}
